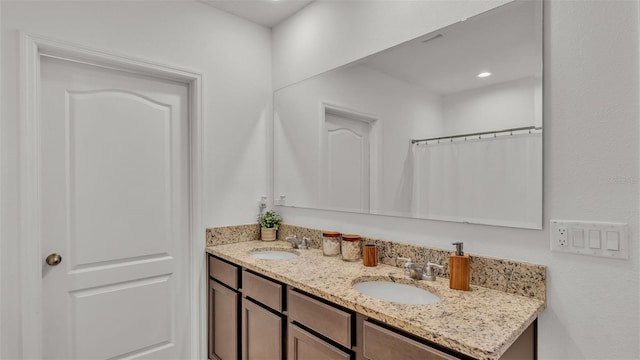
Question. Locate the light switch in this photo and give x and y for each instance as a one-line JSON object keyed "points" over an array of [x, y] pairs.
{"points": [[594, 239], [613, 240], [577, 236]]}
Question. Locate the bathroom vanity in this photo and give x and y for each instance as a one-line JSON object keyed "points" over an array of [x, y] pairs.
{"points": [[306, 308]]}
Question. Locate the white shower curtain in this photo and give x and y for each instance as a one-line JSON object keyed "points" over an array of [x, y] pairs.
{"points": [[495, 180]]}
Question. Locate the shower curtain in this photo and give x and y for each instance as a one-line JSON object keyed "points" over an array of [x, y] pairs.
{"points": [[494, 180]]}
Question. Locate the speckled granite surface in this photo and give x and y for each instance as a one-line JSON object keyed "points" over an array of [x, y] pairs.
{"points": [[481, 323], [514, 277], [314, 235], [232, 234]]}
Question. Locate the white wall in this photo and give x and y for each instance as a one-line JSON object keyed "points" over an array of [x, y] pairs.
{"points": [[505, 105], [590, 153], [232, 54]]}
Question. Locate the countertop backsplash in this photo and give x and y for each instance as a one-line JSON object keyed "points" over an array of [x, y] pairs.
{"points": [[232, 234], [513, 277]]}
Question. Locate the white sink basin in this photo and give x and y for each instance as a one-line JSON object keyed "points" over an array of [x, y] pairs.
{"points": [[272, 254], [396, 292]]}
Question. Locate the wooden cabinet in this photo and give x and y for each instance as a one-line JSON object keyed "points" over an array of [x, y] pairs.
{"points": [[262, 320], [224, 310], [525, 347], [248, 313], [302, 345], [223, 322], [226, 273], [261, 332], [317, 329], [262, 290], [322, 318], [381, 344], [245, 320]]}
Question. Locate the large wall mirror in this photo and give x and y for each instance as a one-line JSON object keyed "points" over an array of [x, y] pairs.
{"points": [[447, 126]]}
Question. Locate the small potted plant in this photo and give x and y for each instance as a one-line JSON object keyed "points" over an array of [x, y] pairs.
{"points": [[269, 223]]}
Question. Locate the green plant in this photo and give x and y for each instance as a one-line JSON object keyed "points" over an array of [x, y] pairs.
{"points": [[269, 219]]}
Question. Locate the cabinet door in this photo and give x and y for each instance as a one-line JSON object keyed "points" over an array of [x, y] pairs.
{"points": [[305, 346], [261, 333], [382, 344], [223, 322]]}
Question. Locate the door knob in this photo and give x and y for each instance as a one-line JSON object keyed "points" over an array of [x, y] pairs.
{"points": [[53, 259]]}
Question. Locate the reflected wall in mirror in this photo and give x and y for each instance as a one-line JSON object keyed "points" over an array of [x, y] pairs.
{"points": [[343, 139]]}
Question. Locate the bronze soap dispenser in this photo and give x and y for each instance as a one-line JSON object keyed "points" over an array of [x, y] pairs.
{"points": [[459, 275]]}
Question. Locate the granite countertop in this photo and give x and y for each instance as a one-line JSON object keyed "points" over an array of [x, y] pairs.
{"points": [[481, 323]]}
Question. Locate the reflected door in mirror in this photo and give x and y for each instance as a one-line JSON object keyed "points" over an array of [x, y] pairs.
{"points": [[347, 162]]}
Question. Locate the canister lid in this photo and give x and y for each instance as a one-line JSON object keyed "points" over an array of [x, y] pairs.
{"points": [[329, 233], [350, 237]]}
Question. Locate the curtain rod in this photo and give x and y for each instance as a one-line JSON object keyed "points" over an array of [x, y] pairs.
{"points": [[413, 141]]}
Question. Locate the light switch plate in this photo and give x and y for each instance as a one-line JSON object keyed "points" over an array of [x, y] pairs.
{"points": [[593, 238]]}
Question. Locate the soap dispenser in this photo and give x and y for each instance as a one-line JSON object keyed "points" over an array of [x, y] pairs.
{"points": [[459, 275]]}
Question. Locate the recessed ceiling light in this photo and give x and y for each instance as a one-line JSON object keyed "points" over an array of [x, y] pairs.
{"points": [[484, 74]]}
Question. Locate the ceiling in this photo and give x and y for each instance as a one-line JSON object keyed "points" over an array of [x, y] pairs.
{"points": [[504, 41], [264, 12]]}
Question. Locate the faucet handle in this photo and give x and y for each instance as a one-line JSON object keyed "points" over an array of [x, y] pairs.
{"points": [[304, 244], [293, 240], [429, 273], [407, 261], [407, 265]]}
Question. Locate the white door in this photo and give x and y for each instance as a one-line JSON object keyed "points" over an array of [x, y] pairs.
{"points": [[348, 163], [115, 195]]}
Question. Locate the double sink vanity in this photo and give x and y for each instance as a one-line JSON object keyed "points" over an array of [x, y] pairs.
{"points": [[269, 301]]}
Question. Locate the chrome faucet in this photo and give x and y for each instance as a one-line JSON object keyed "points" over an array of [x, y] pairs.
{"points": [[429, 272], [417, 272], [301, 244], [407, 264]]}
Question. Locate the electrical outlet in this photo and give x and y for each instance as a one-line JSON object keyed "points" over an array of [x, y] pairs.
{"points": [[559, 236], [262, 203], [562, 236], [280, 201], [593, 238]]}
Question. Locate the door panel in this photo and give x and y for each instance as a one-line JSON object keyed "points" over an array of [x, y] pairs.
{"points": [[147, 323], [348, 163], [114, 165], [108, 128]]}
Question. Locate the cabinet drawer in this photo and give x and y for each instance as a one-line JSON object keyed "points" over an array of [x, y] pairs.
{"points": [[326, 320], [224, 272], [305, 346], [381, 344], [262, 290]]}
